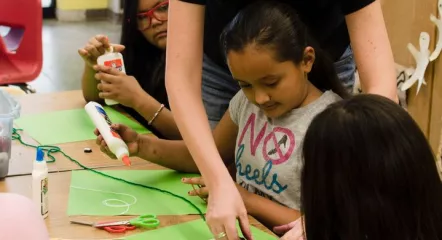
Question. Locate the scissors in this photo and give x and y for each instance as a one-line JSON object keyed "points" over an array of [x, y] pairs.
{"points": [[143, 221]]}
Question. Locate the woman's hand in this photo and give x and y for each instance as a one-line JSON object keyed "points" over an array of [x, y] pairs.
{"points": [[116, 85], [97, 47], [129, 136], [202, 191], [291, 231]]}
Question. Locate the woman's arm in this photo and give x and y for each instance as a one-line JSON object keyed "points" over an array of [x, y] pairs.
{"points": [[266, 211], [372, 51], [183, 84], [184, 55], [175, 155]]}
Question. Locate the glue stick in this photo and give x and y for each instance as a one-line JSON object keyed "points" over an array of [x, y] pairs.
{"points": [[112, 59], [40, 183], [113, 140]]}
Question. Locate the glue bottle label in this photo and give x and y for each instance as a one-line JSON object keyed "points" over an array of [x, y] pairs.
{"points": [[108, 121], [114, 63], [44, 187]]}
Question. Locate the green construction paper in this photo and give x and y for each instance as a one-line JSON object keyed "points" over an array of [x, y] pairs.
{"points": [[195, 230], [89, 190], [68, 126]]}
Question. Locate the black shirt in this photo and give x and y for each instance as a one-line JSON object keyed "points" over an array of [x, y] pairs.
{"points": [[324, 18]]}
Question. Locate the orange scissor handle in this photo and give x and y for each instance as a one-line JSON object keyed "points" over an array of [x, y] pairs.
{"points": [[118, 229]]}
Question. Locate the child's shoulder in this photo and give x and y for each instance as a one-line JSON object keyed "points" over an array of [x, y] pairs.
{"points": [[322, 102], [330, 97]]}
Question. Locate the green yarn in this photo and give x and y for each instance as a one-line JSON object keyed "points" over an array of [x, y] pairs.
{"points": [[54, 149]]}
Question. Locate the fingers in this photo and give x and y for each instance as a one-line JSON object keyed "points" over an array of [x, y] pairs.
{"points": [[106, 95], [104, 148], [231, 231], [293, 235], [245, 226], [108, 74], [100, 43], [195, 180], [118, 47], [104, 87], [108, 70], [285, 228], [83, 52], [118, 127], [103, 40], [219, 233], [92, 50], [293, 230], [202, 192], [95, 47]]}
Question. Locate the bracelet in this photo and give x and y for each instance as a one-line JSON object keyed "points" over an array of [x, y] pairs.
{"points": [[304, 233], [156, 114]]}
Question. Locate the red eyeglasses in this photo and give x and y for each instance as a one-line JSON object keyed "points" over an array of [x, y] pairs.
{"points": [[159, 12]]}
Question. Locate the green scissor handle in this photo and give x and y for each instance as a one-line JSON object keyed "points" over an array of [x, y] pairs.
{"points": [[145, 221]]}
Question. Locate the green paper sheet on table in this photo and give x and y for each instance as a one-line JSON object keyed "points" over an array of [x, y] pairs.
{"points": [[194, 230], [93, 194], [68, 126]]}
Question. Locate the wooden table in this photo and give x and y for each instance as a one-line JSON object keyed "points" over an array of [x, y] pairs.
{"points": [[19, 180], [22, 156]]}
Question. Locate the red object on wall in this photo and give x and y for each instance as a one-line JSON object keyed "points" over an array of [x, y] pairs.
{"points": [[21, 48]]}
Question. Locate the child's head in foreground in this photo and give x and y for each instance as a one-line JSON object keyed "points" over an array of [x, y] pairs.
{"points": [[369, 174]]}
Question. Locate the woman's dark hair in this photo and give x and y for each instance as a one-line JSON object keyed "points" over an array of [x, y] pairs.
{"points": [[369, 173], [277, 26], [143, 60]]}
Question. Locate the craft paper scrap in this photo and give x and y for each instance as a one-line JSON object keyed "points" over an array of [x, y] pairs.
{"points": [[193, 230], [69, 125], [93, 194]]}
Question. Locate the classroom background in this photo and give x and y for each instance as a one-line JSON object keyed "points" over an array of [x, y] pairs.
{"points": [[68, 24], [405, 20]]}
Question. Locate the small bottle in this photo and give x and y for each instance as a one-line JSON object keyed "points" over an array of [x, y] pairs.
{"points": [[103, 123], [40, 183], [115, 60]]}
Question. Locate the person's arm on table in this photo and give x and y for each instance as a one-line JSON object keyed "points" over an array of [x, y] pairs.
{"points": [[175, 155], [372, 51], [266, 211], [184, 56], [147, 106]]}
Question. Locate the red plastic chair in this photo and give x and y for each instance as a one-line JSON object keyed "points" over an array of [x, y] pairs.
{"points": [[21, 49]]}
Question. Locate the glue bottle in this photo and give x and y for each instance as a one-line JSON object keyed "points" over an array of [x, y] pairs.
{"points": [[112, 59], [113, 140], [40, 183]]}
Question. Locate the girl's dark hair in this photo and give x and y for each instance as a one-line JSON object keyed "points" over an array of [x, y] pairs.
{"points": [[142, 60], [277, 26], [369, 173]]}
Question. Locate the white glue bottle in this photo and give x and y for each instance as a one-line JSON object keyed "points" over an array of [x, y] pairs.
{"points": [[115, 60], [113, 140], [40, 183]]}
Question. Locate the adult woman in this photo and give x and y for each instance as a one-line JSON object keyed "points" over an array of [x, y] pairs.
{"points": [[328, 21]]}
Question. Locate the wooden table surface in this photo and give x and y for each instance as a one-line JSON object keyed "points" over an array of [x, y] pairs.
{"points": [[22, 156], [19, 179]]}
